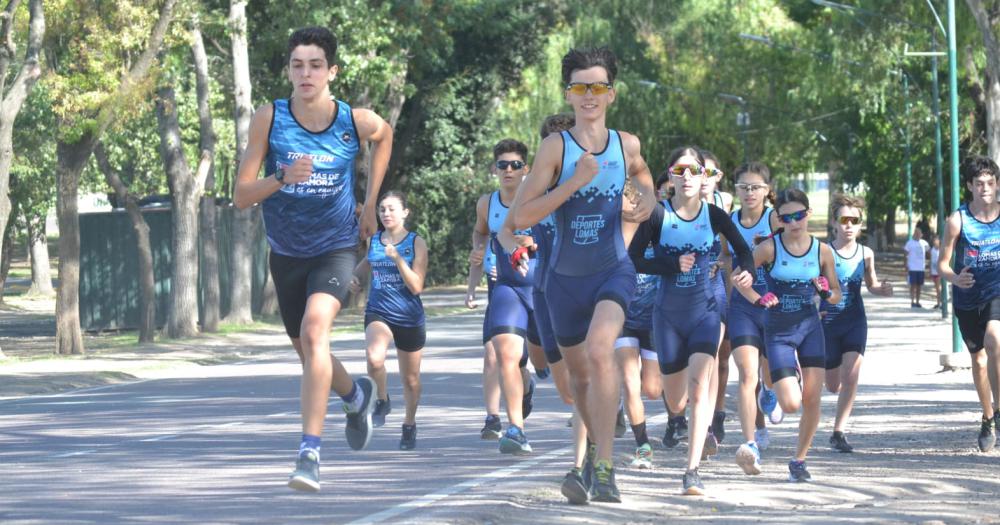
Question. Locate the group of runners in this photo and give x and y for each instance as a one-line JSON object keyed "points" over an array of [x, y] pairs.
{"points": [[614, 284]]}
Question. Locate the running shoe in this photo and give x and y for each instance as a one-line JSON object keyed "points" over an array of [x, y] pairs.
{"points": [[996, 423], [588, 466], [409, 439], [719, 425], [643, 457], [987, 440], [382, 409], [543, 373], [526, 404], [515, 442], [761, 437], [767, 401], [305, 477], [604, 489], [671, 437], [620, 426], [574, 488], [682, 428], [838, 442], [492, 429], [692, 484], [359, 424], [748, 458], [797, 472], [711, 447]]}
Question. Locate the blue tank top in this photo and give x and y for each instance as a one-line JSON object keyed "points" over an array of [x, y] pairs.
{"points": [[713, 255], [762, 228], [317, 216], [640, 311], [688, 291], [389, 296], [790, 278], [489, 259], [978, 247], [850, 273], [588, 225], [506, 274], [543, 233]]}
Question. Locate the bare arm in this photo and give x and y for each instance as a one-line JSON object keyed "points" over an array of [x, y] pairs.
{"points": [[883, 288], [413, 277], [532, 203], [762, 254], [374, 129], [953, 228], [642, 179], [480, 235], [249, 189]]}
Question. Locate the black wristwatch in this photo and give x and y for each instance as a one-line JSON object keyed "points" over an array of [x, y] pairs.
{"points": [[280, 176]]}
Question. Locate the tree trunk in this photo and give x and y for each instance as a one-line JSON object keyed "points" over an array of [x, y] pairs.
{"points": [[244, 221], [182, 318], [38, 247], [207, 227], [71, 159], [144, 250], [992, 88], [13, 98]]}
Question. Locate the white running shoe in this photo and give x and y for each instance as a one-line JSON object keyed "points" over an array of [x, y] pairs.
{"points": [[761, 437]]}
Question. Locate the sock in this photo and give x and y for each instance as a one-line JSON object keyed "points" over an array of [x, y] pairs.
{"points": [[353, 400], [310, 442], [639, 431]]}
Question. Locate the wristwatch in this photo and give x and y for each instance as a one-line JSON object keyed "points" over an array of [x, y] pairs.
{"points": [[280, 175]]}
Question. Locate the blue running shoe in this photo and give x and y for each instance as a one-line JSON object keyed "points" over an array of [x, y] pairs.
{"points": [[692, 484], [748, 458], [604, 489], [305, 477], [797, 472], [767, 400], [515, 442], [358, 429]]}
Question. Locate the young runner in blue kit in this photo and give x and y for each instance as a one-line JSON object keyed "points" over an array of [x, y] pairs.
{"points": [[845, 325], [798, 267], [307, 145], [397, 259], [482, 260], [686, 316], [581, 175], [972, 234]]}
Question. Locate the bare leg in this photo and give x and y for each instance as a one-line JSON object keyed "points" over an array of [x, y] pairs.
{"points": [[701, 368], [980, 378], [605, 387], [628, 361], [409, 371], [849, 371], [509, 350], [320, 369], [812, 384], [747, 363], [491, 380], [377, 338], [560, 376]]}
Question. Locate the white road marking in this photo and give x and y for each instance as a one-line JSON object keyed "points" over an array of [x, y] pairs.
{"points": [[71, 454], [442, 378]]}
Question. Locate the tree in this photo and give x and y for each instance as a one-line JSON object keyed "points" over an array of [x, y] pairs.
{"points": [[986, 20], [82, 129], [208, 211], [13, 96]]}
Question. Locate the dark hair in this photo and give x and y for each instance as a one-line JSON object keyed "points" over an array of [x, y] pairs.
{"points": [[577, 59], [709, 156], [760, 169], [792, 195], [976, 165], [510, 146], [394, 194], [673, 157], [556, 123], [320, 37], [842, 200]]}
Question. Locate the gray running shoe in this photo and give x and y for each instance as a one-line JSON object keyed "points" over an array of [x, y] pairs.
{"points": [[305, 477], [711, 447], [748, 458], [987, 440], [526, 400], [692, 484], [797, 472], [838, 442], [574, 488], [682, 428], [605, 489], [359, 424], [382, 409], [672, 437], [409, 439], [492, 429]]}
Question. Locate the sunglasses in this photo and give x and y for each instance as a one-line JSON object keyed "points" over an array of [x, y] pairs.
{"points": [[502, 165], [849, 220], [713, 172], [751, 188], [678, 170], [581, 88], [789, 218]]}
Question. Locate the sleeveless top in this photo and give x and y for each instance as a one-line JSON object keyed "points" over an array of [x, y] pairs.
{"points": [[689, 290], [640, 311], [762, 228], [850, 273], [389, 297], [978, 247], [544, 233], [790, 278], [506, 274]]}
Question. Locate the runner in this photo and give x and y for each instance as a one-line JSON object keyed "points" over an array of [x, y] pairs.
{"points": [[581, 175], [916, 259], [755, 221], [973, 234], [397, 259], [307, 145], [845, 325], [686, 316], [483, 260], [798, 266]]}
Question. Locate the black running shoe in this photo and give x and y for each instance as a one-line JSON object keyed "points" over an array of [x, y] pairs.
{"points": [[492, 429], [711, 447], [526, 404], [838, 442], [987, 440], [797, 472], [382, 409], [359, 424], [719, 425], [574, 488], [620, 426], [604, 489], [670, 437], [692, 484], [682, 428], [306, 474], [409, 439]]}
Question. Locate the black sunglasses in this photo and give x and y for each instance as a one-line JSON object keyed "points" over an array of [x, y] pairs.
{"points": [[502, 165]]}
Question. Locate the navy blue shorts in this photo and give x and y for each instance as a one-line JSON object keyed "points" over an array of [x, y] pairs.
{"points": [[511, 311], [719, 290], [787, 337], [745, 324], [572, 300], [842, 336], [679, 335], [915, 278], [406, 338], [486, 316], [543, 322]]}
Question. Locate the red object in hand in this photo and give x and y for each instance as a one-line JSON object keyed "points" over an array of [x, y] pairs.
{"points": [[518, 255], [823, 284], [766, 298]]}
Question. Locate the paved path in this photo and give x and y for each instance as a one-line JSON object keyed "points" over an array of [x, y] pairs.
{"points": [[217, 447]]}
